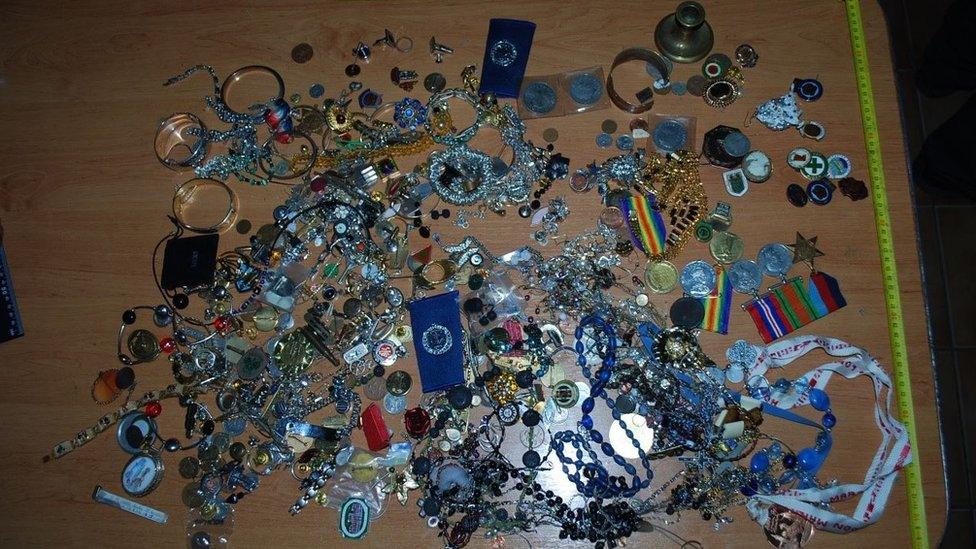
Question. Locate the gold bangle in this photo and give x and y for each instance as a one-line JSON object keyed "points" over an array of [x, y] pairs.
{"points": [[184, 195]]}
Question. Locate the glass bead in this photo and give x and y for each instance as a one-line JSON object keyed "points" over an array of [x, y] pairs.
{"points": [[819, 399], [588, 405], [829, 420]]}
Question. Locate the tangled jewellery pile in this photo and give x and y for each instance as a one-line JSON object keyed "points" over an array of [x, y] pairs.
{"points": [[298, 335]]}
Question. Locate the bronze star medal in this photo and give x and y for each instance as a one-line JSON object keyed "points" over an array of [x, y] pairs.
{"points": [[805, 249]]}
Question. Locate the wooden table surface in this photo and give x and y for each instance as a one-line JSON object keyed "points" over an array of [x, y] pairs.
{"points": [[83, 201]]}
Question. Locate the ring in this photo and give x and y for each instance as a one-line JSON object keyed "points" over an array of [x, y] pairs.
{"points": [[184, 195], [236, 76]]}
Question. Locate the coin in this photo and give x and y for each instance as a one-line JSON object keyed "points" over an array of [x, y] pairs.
{"points": [[398, 383], [539, 97], [302, 53], [550, 135], [394, 404], [745, 276], [687, 312], [586, 88], [670, 135], [435, 82], [189, 467], [608, 126], [698, 279], [726, 247], [375, 389], [612, 217], [696, 85], [775, 259], [661, 276], [143, 345], [191, 495]]}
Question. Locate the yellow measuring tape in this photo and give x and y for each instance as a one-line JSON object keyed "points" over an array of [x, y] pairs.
{"points": [[889, 273]]}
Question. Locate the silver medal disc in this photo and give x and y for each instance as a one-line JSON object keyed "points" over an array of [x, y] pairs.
{"points": [[698, 279], [775, 259], [746, 276]]}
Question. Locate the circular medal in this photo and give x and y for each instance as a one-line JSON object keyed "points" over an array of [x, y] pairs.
{"points": [[385, 352], [394, 404], [142, 474], [586, 88], [808, 89], [838, 166], [745, 276], [798, 158], [189, 467], [757, 166], [726, 247], [235, 425], [775, 259], [698, 279], [669, 136], [815, 168], [143, 345], [623, 443], [398, 383], [539, 97], [687, 312], [375, 389], [661, 276]]}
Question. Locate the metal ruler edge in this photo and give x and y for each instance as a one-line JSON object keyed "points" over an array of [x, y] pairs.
{"points": [[896, 328]]}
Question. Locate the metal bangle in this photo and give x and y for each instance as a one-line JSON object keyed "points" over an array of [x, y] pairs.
{"points": [[236, 76], [172, 132], [448, 270], [184, 195], [636, 54]]}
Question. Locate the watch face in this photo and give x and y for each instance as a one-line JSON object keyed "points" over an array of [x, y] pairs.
{"points": [[142, 474]]}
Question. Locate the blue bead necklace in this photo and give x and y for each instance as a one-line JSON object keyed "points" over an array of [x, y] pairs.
{"points": [[599, 482]]}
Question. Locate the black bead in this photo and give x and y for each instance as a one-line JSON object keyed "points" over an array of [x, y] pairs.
{"points": [[446, 213], [434, 214], [180, 301], [379, 371], [535, 204], [417, 222], [425, 231], [129, 317]]}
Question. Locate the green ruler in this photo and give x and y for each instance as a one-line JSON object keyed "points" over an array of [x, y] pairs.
{"points": [[889, 273]]}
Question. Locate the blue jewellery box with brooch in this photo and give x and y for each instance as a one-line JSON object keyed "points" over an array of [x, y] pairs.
{"points": [[437, 339], [506, 55]]}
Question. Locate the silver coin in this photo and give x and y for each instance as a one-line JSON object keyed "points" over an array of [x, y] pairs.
{"points": [[394, 404], [775, 259], [745, 276], [586, 88], [539, 97], [698, 279]]}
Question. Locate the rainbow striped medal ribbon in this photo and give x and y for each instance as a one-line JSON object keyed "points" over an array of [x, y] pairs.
{"points": [[793, 304], [644, 223], [718, 304]]}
